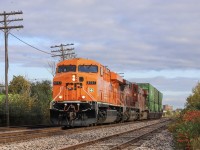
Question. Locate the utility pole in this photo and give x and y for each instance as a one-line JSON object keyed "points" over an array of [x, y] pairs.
{"points": [[65, 53], [6, 28]]}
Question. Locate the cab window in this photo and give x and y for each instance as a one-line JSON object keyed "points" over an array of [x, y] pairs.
{"points": [[67, 68], [88, 68]]}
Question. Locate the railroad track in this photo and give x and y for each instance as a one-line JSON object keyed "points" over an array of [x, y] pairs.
{"points": [[7, 129], [19, 135], [119, 140], [27, 135], [22, 134], [25, 127]]}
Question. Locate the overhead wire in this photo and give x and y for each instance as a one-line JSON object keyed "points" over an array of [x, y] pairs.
{"points": [[30, 44]]}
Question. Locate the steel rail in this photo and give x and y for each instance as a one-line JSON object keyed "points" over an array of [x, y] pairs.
{"points": [[89, 143], [20, 135], [132, 140]]}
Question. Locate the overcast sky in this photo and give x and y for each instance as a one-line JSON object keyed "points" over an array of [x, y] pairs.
{"points": [[152, 41]]}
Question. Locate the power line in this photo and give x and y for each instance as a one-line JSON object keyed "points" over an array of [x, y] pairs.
{"points": [[65, 53], [30, 44], [26, 42]]}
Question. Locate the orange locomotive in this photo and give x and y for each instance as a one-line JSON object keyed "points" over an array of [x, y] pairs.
{"points": [[86, 93]]}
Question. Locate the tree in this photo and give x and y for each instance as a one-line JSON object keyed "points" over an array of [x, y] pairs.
{"points": [[42, 91], [52, 68], [19, 85], [186, 129], [168, 113], [193, 101], [29, 102], [2, 110]]}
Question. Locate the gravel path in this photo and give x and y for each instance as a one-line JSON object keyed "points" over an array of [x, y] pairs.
{"points": [[61, 141]]}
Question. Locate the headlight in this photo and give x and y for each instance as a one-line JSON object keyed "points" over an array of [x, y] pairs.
{"points": [[60, 96], [83, 97], [73, 77]]}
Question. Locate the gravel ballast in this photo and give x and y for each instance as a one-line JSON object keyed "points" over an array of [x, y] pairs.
{"points": [[160, 141], [60, 141]]}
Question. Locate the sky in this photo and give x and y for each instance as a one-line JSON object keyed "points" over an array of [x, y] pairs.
{"points": [[151, 41]]}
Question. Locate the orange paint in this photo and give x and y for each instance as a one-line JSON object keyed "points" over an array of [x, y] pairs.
{"points": [[100, 86]]}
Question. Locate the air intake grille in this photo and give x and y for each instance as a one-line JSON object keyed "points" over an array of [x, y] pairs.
{"points": [[91, 82]]}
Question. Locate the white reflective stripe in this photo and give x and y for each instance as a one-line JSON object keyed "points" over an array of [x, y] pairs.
{"points": [[88, 94], [61, 88]]}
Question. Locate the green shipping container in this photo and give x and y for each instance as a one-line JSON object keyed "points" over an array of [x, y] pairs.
{"points": [[150, 89], [156, 107], [160, 102], [160, 107], [160, 98], [151, 106], [154, 98]]}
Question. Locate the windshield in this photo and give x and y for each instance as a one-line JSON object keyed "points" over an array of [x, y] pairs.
{"points": [[88, 68], [67, 68]]}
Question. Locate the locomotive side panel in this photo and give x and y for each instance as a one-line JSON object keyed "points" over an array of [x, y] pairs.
{"points": [[139, 100]]}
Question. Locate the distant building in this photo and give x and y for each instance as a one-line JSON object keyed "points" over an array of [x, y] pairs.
{"points": [[167, 108]]}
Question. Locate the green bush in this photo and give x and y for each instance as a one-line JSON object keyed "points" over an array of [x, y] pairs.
{"points": [[28, 102], [186, 129], [2, 110]]}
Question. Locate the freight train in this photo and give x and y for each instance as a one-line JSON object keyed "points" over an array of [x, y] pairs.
{"points": [[87, 93]]}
